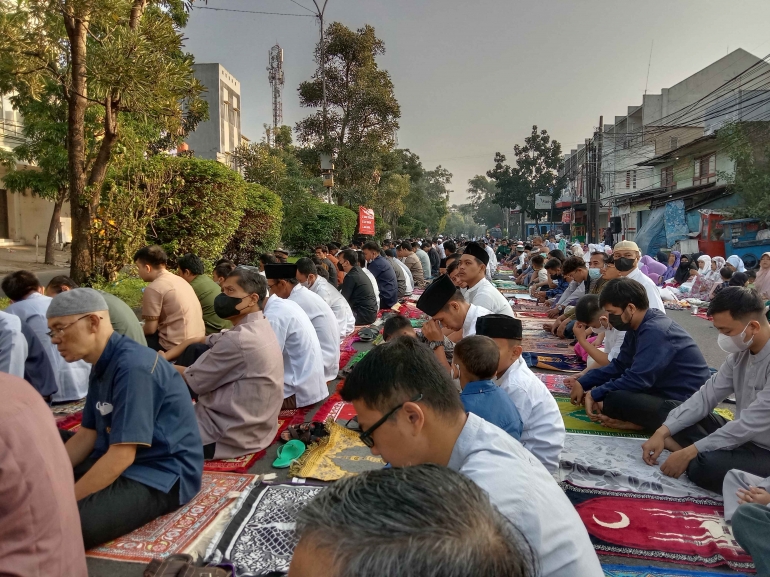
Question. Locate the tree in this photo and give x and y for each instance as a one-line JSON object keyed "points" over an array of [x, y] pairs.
{"points": [[389, 198], [748, 145], [260, 228], [482, 194], [117, 57], [362, 110]]}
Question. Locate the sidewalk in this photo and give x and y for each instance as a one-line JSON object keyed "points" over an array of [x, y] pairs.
{"points": [[15, 258]]}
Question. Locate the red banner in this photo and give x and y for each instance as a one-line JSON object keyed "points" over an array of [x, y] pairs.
{"points": [[365, 220]]}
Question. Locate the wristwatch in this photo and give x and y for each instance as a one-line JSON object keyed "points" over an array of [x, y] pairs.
{"points": [[435, 344]]}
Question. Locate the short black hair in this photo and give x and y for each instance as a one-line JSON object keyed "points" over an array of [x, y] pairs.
{"points": [[587, 309], [572, 264], [620, 292], [479, 355], [371, 245], [553, 264], [400, 370], [452, 266], [57, 282], [191, 262], [738, 279], [604, 255], [350, 256], [333, 245], [268, 259], [250, 280], [752, 274], [556, 253], [223, 269], [361, 259], [393, 325], [415, 245], [449, 246], [322, 248], [538, 260], [742, 303], [322, 272], [19, 284], [726, 273], [153, 255], [306, 266], [405, 246]]}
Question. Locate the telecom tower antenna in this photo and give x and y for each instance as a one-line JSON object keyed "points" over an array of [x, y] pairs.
{"points": [[275, 75]]}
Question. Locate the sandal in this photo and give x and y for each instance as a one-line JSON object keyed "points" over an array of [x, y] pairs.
{"points": [[308, 433]]}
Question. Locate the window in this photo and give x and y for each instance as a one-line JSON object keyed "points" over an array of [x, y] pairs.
{"points": [[667, 177], [628, 179], [705, 169], [673, 143], [633, 179]]}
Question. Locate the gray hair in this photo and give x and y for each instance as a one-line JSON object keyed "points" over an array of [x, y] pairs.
{"points": [[251, 280], [422, 521]]}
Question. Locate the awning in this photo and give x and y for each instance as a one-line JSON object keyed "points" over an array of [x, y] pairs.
{"points": [[694, 196]]}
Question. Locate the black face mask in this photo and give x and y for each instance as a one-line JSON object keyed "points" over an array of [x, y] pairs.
{"points": [[624, 264], [618, 323], [684, 264], [225, 306]]}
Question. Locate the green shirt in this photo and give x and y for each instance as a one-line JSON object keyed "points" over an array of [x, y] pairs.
{"points": [[124, 320], [207, 290]]}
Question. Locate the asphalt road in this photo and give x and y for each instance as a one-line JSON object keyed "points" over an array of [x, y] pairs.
{"points": [[45, 276]]}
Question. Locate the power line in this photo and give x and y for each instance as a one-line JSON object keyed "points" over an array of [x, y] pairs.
{"points": [[253, 12], [302, 6]]}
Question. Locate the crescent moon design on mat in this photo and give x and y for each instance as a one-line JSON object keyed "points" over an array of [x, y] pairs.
{"points": [[622, 524]]}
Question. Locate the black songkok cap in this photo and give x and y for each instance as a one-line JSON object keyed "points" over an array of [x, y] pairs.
{"points": [[499, 327], [279, 271], [475, 249], [436, 295]]}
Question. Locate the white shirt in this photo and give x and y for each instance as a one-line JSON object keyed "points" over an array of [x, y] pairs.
{"points": [[325, 325], [373, 280], [520, 487], [71, 378], [13, 345], [492, 258], [613, 340], [440, 250], [340, 307], [542, 424], [484, 294], [407, 275], [303, 367], [653, 295], [474, 312]]}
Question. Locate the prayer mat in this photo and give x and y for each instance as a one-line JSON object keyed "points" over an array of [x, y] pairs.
{"points": [[685, 530], [345, 371], [615, 463], [339, 455], [70, 422], [532, 315], [555, 383], [336, 409], [260, 538], [347, 351], [527, 305], [549, 346], [554, 362], [630, 571], [576, 420], [174, 532], [68, 408]]}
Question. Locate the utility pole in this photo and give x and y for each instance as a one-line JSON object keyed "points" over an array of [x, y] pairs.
{"points": [[589, 184], [276, 77], [320, 15], [598, 189]]}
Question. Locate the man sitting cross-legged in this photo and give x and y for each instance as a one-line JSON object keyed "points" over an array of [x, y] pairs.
{"points": [[138, 454], [308, 276], [422, 520], [238, 381], [410, 413], [659, 362], [542, 424], [476, 360], [706, 445]]}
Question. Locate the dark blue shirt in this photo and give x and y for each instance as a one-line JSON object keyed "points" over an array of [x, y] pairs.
{"points": [[488, 401], [561, 286], [37, 368], [659, 358], [386, 281], [137, 397]]}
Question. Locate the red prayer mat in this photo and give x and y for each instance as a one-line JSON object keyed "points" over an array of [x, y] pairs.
{"points": [[532, 315], [555, 383], [70, 422], [685, 530], [174, 532], [335, 408]]}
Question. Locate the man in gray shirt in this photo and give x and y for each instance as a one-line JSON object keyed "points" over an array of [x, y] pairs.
{"points": [[410, 414], [704, 444]]}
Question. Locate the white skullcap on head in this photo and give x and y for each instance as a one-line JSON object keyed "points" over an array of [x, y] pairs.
{"points": [[77, 301]]}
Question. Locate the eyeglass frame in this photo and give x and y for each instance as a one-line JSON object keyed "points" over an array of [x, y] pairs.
{"points": [[58, 333], [366, 436]]}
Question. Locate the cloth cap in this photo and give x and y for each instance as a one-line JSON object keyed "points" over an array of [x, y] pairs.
{"points": [[499, 327], [626, 245], [436, 295], [520, 247], [77, 301], [475, 249], [282, 251], [279, 271]]}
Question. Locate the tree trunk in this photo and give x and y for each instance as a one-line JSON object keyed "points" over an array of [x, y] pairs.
{"points": [[54, 226]]}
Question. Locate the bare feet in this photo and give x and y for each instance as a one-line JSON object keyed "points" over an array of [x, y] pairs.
{"points": [[618, 424]]}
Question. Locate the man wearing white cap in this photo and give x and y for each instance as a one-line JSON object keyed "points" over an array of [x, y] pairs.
{"points": [[627, 255]]}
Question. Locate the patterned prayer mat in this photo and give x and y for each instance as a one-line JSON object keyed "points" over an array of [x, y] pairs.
{"points": [[339, 455], [544, 345], [532, 315], [629, 571], [336, 409], [616, 464], [527, 305], [174, 532], [68, 408], [260, 538], [555, 383], [676, 529], [347, 351], [70, 422], [561, 363], [352, 362], [576, 420]]}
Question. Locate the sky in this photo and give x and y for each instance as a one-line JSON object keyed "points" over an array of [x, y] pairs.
{"points": [[473, 77]]}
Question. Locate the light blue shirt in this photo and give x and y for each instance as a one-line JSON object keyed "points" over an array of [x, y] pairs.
{"points": [[521, 488], [13, 345], [491, 403], [71, 378]]}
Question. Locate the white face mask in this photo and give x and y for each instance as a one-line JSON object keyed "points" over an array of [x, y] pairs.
{"points": [[734, 344]]}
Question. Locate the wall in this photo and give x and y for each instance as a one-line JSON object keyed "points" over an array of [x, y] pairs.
{"points": [[29, 215], [204, 141]]}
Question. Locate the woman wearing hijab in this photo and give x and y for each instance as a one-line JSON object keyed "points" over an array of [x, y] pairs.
{"points": [[704, 265], [652, 266], [762, 283], [673, 265], [683, 272], [736, 261], [661, 257]]}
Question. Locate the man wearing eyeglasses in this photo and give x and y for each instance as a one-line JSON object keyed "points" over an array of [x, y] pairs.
{"points": [[410, 414], [138, 453]]}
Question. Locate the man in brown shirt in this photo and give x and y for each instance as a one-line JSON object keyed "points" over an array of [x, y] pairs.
{"points": [[412, 262], [170, 308], [39, 519]]}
